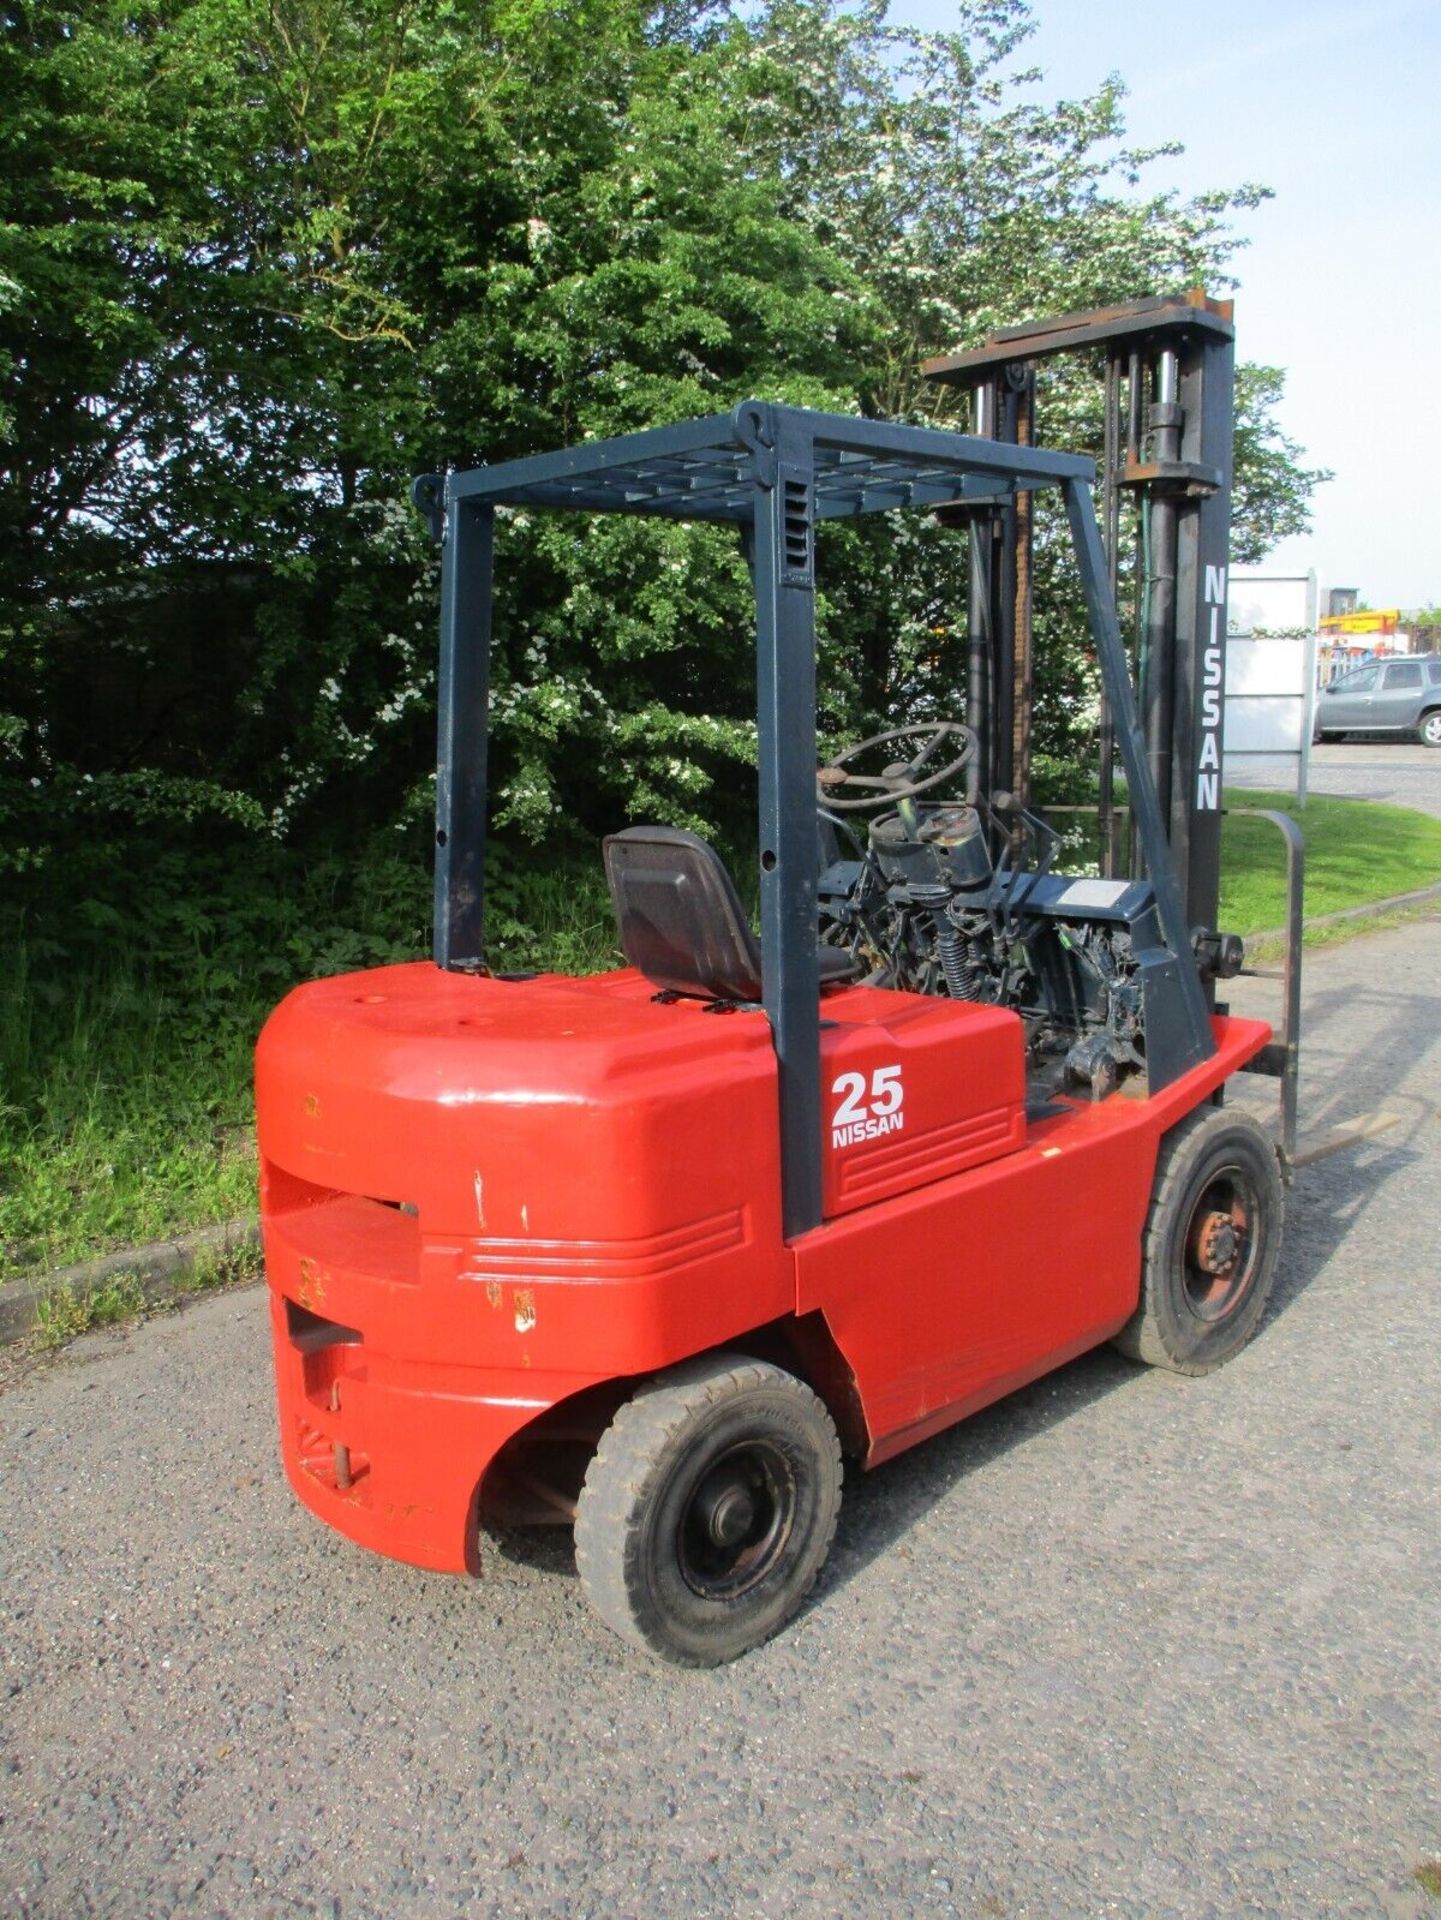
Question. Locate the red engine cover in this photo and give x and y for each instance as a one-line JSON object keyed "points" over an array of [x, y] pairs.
{"points": [[481, 1197], [914, 1090]]}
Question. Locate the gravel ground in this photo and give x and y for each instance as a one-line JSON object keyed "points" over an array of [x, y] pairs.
{"points": [[1126, 1644], [1400, 771]]}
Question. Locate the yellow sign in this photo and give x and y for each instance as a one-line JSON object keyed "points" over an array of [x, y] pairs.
{"points": [[1378, 620]]}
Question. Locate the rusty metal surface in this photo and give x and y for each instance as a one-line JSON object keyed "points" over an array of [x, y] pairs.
{"points": [[1312, 1148], [1062, 333], [1183, 476]]}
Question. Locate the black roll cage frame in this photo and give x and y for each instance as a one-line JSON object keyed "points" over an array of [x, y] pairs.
{"points": [[773, 471]]}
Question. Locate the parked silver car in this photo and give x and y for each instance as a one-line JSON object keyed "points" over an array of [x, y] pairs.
{"points": [[1386, 696]]}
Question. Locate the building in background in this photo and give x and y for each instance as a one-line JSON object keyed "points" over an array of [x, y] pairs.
{"points": [[1351, 635]]}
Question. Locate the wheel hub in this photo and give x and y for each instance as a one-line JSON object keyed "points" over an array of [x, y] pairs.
{"points": [[727, 1512], [737, 1521], [1221, 1248], [1216, 1242]]}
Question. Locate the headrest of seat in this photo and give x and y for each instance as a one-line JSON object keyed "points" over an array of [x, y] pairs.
{"points": [[680, 919]]}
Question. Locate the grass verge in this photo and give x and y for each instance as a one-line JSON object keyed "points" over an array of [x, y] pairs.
{"points": [[128, 1025], [1272, 945], [1357, 851], [63, 1311], [127, 1021]]}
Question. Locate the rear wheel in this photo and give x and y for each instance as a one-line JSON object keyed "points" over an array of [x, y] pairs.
{"points": [[708, 1509], [1431, 728], [1209, 1252]]}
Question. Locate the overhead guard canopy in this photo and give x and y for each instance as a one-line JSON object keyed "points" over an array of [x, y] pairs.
{"points": [[709, 469]]}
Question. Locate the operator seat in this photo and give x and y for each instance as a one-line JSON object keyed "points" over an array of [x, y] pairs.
{"points": [[681, 922]]}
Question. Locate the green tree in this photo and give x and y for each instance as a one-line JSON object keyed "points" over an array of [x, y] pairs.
{"points": [[1273, 488], [262, 260]]}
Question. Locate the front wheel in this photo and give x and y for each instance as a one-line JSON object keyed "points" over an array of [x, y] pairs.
{"points": [[1210, 1245], [708, 1509], [1431, 728]]}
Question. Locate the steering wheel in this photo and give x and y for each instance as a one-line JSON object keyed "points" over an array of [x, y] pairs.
{"points": [[903, 779]]}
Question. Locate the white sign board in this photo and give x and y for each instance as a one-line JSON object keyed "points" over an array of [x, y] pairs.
{"points": [[1270, 602], [1270, 698]]}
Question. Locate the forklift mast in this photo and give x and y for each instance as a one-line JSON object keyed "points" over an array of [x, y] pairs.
{"points": [[1169, 368]]}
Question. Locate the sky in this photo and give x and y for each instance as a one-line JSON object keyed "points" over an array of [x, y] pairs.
{"points": [[1337, 107]]}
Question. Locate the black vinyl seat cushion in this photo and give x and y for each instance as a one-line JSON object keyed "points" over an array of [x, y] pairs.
{"points": [[680, 919]]}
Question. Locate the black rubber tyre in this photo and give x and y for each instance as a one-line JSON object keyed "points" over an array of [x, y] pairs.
{"points": [[1208, 1255], [708, 1509], [1431, 728]]}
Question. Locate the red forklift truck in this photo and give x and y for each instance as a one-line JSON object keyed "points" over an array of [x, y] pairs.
{"points": [[650, 1251]]}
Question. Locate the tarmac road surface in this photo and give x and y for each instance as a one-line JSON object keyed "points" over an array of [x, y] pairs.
{"points": [[1125, 1644], [1401, 772]]}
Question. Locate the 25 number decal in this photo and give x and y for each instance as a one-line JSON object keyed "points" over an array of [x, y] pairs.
{"points": [[885, 1096]]}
